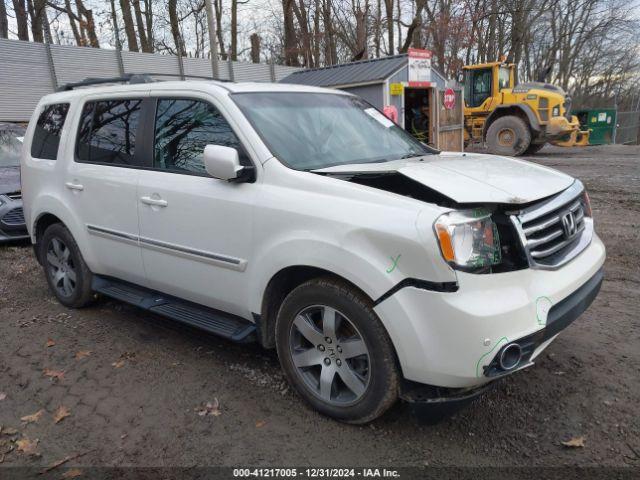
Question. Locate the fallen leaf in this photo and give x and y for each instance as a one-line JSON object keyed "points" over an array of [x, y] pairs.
{"points": [[210, 408], [73, 473], [123, 436], [260, 423], [118, 364], [27, 446], [576, 442], [82, 354], [53, 374], [8, 431], [62, 413], [2, 396], [50, 343], [33, 417], [2, 458]]}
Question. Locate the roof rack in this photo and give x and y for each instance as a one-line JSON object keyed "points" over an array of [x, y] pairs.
{"points": [[131, 79]]}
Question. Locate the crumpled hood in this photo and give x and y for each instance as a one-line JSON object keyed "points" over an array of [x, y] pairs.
{"points": [[9, 180], [472, 178]]}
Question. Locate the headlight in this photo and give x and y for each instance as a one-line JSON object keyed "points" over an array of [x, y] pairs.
{"points": [[1, 201], [556, 111], [468, 238]]}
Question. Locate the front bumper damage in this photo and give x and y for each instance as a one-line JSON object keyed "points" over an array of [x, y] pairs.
{"points": [[432, 404], [452, 339]]}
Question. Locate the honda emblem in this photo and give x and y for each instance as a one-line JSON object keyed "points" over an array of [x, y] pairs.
{"points": [[569, 226]]}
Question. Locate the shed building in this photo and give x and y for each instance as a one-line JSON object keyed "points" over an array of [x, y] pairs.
{"points": [[389, 84]]}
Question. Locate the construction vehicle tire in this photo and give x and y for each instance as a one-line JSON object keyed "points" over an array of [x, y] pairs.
{"points": [[534, 148], [508, 135]]}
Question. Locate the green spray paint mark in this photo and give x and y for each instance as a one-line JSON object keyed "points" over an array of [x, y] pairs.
{"points": [[480, 359], [395, 263], [541, 304]]}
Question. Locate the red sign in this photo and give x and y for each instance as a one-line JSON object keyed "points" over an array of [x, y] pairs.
{"points": [[449, 99], [419, 53]]}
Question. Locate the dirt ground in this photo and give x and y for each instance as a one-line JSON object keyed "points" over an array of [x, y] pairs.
{"points": [[133, 384]]}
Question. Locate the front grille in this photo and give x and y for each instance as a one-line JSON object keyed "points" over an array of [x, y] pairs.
{"points": [[15, 196], [555, 230], [14, 217]]}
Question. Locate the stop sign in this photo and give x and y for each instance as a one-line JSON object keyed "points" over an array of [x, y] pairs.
{"points": [[449, 99]]}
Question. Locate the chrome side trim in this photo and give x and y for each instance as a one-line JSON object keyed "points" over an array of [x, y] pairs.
{"points": [[113, 234], [217, 259], [201, 255]]}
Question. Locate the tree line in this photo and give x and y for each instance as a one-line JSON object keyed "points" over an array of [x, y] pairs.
{"points": [[588, 47]]}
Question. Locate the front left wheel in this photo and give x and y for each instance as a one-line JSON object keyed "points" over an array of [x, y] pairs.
{"points": [[68, 276], [335, 351]]}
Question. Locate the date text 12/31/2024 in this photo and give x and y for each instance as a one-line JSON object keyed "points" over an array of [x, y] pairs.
{"points": [[315, 472]]}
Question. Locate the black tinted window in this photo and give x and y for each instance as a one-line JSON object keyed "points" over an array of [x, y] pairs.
{"points": [[46, 136], [107, 131], [183, 129]]}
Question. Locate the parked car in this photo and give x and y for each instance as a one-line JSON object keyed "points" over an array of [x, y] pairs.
{"points": [[304, 219], [12, 226]]}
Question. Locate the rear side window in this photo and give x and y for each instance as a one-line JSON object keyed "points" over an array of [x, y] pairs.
{"points": [[107, 132], [46, 136], [183, 128]]}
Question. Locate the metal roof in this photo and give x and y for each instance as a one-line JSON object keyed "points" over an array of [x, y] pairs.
{"points": [[365, 71]]}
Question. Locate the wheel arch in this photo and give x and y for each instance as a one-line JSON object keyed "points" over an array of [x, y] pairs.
{"points": [[523, 111], [280, 285]]}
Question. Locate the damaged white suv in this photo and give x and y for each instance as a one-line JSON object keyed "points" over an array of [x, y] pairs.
{"points": [[303, 219]]}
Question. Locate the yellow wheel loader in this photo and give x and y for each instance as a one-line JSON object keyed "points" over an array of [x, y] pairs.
{"points": [[516, 120]]}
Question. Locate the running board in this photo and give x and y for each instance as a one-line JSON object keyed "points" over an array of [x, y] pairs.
{"points": [[214, 321]]}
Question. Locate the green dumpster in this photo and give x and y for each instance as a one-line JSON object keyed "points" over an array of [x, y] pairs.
{"points": [[601, 122]]}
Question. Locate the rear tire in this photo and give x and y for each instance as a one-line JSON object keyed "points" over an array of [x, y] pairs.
{"points": [[534, 148], [335, 351], [508, 135], [67, 274]]}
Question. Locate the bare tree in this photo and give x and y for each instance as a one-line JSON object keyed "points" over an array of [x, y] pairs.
{"points": [[22, 23], [4, 21], [255, 47], [129, 29]]}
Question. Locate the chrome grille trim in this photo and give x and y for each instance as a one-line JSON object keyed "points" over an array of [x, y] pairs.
{"points": [[542, 234]]}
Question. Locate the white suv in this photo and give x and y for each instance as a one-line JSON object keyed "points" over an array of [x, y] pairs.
{"points": [[304, 219]]}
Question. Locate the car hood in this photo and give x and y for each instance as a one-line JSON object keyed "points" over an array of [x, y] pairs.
{"points": [[471, 178], [9, 180]]}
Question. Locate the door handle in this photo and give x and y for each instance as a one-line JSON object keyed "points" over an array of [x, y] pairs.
{"points": [[154, 201], [74, 186]]}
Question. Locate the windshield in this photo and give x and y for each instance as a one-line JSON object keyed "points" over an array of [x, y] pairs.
{"points": [[10, 147], [309, 131]]}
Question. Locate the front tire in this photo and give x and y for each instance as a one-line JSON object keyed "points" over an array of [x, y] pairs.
{"points": [[335, 351], [67, 274], [508, 135]]}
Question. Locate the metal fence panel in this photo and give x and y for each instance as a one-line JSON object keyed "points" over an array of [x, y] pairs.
{"points": [[74, 64], [200, 67], [251, 72], [628, 126], [282, 71], [26, 72], [136, 62], [24, 78]]}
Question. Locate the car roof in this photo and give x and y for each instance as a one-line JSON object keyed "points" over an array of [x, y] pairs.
{"points": [[199, 85]]}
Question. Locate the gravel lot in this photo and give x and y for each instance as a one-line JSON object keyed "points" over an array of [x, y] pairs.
{"points": [[134, 384]]}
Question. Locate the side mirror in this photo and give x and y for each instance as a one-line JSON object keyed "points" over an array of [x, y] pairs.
{"points": [[222, 162]]}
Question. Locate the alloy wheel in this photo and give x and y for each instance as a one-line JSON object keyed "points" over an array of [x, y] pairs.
{"points": [[330, 355], [61, 267]]}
